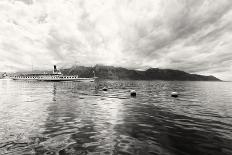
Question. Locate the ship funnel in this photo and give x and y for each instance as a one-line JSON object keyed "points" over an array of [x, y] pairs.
{"points": [[54, 69]]}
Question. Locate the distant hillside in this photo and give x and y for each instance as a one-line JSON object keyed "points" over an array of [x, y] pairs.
{"points": [[119, 73]]}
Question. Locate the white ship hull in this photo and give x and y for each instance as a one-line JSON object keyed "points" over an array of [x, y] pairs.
{"points": [[56, 79], [55, 76]]}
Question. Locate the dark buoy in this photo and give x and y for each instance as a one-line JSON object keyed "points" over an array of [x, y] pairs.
{"points": [[174, 94], [133, 93], [104, 89]]}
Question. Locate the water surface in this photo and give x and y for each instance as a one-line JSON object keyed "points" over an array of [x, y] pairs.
{"points": [[79, 118]]}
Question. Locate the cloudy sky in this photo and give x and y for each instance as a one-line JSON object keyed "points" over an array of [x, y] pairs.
{"points": [[190, 35]]}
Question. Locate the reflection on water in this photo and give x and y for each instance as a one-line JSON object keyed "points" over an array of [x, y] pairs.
{"points": [[79, 118]]}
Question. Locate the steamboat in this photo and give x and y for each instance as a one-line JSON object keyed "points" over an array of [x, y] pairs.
{"points": [[56, 75]]}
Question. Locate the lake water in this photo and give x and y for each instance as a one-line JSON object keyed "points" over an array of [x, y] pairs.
{"points": [[79, 118]]}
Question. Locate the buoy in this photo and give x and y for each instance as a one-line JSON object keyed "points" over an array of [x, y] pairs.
{"points": [[104, 89], [133, 93], [174, 94]]}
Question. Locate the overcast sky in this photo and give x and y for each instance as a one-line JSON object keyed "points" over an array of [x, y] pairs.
{"points": [[190, 35]]}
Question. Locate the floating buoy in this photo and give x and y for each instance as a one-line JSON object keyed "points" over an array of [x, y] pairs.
{"points": [[174, 94], [133, 93], [104, 89]]}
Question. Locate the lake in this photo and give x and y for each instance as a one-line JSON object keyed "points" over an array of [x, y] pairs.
{"points": [[79, 118]]}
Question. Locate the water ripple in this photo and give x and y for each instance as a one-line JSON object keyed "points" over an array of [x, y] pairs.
{"points": [[79, 118]]}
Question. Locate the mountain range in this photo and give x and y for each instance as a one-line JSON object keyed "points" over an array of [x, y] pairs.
{"points": [[119, 73]]}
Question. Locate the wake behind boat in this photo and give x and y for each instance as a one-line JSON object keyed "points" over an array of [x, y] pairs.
{"points": [[55, 76]]}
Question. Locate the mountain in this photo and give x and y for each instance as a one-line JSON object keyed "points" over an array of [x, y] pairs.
{"points": [[119, 73]]}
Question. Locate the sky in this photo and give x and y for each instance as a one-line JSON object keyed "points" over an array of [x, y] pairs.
{"points": [[190, 35]]}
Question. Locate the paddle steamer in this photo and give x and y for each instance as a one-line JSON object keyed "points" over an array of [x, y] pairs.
{"points": [[56, 75]]}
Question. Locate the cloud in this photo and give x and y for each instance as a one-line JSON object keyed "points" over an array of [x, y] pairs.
{"points": [[193, 36]]}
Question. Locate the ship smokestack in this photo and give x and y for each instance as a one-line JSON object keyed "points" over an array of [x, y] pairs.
{"points": [[54, 70]]}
